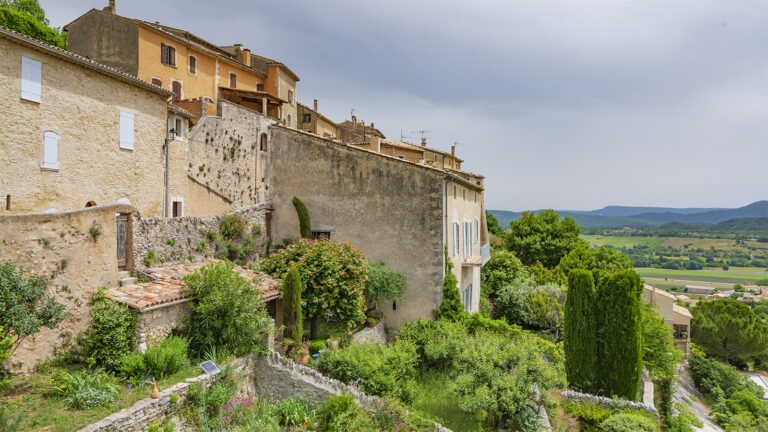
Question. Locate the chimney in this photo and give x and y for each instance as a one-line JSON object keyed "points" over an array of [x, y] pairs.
{"points": [[354, 120], [423, 141], [453, 150], [247, 57], [315, 104], [239, 52], [111, 7], [372, 124]]}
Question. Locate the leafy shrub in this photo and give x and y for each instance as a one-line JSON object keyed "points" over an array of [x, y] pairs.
{"points": [[167, 358], [26, 24], [436, 342], [628, 422], [589, 415], [9, 422], [292, 316], [111, 334], [476, 323], [236, 243], [215, 396], [227, 312], [164, 425], [232, 227], [377, 370], [341, 414], [384, 284], [708, 374], [82, 390], [132, 366], [295, 412], [316, 345], [451, 307]]}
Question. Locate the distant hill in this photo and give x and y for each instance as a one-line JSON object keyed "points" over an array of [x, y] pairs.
{"points": [[742, 224], [621, 216]]}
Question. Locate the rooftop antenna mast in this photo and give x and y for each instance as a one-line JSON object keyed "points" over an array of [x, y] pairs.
{"points": [[422, 132], [402, 137]]}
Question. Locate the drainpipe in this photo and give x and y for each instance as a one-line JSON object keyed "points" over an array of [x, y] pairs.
{"points": [[167, 157]]}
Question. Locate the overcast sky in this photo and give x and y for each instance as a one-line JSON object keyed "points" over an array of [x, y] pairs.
{"points": [[560, 104]]}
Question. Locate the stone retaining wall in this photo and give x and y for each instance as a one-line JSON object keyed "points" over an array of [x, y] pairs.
{"points": [[608, 402], [184, 239]]}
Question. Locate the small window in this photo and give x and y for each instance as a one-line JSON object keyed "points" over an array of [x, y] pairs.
{"points": [[468, 298], [168, 55], [177, 209], [157, 81], [193, 65], [263, 142], [476, 237], [456, 234], [288, 121], [50, 159], [176, 89], [321, 235], [126, 130], [290, 97], [232, 80], [178, 127], [307, 118], [259, 87], [31, 80]]}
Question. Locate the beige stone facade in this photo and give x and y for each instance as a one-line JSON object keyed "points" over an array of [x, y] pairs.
{"points": [[66, 149], [311, 120], [675, 316]]}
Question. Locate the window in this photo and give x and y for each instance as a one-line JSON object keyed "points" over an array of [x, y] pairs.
{"points": [[178, 128], [31, 80], [290, 97], [193, 65], [476, 237], [321, 234], [168, 55], [126, 130], [157, 81], [232, 80], [467, 240], [468, 298], [176, 89], [263, 142], [456, 234], [307, 118], [177, 207], [50, 159], [259, 87], [288, 121]]}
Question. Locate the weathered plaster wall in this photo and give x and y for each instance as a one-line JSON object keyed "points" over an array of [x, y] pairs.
{"points": [[59, 248], [224, 154], [83, 108], [204, 201], [185, 238], [106, 38], [389, 209]]}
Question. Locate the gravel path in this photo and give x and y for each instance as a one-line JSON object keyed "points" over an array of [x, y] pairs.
{"points": [[686, 393]]}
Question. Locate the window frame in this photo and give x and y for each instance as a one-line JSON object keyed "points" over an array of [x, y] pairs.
{"points": [[45, 162], [232, 80], [167, 52], [192, 64], [456, 238], [127, 139], [31, 79]]}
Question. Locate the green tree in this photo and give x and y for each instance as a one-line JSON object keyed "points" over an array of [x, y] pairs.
{"points": [[227, 312], [305, 225], [384, 284], [493, 225], [597, 260], [111, 334], [27, 17], [334, 276], [660, 357], [24, 307], [451, 307], [532, 305], [502, 269], [729, 330], [580, 328], [292, 316], [544, 237], [619, 334]]}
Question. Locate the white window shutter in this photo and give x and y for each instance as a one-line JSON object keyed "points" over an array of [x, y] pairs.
{"points": [[126, 130], [31, 80], [50, 150]]}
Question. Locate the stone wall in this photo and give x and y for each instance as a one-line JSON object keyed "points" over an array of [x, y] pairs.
{"points": [[601, 400], [59, 247], [158, 323], [185, 238], [225, 155], [390, 209]]}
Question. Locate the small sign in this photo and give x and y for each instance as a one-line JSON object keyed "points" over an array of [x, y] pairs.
{"points": [[209, 367]]}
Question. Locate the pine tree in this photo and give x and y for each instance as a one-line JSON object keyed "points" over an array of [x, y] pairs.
{"points": [[305, 226], [292, 316], [451, 307], [580, 338], [619, 334]]}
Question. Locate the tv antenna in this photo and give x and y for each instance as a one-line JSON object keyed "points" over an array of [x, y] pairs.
{"points": [[403, 137], [422, 132], [352, 113]]}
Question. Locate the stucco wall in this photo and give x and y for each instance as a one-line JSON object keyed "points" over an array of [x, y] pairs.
{"points": [[224, 154], [107, 39], [391, 210], [59, 248], [83, 108]]}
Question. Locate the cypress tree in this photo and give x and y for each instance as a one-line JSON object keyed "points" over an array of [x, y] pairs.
{"points": [[579, 341], [619, 334], [451, 307], [305, 227], [292, 316]]}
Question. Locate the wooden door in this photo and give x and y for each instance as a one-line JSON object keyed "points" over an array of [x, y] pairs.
{"points": [[122, 240]]}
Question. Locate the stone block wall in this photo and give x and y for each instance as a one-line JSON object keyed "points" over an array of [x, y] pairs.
{"points": [[158, 323], [59, 247], [184, 239], [608, 402]]}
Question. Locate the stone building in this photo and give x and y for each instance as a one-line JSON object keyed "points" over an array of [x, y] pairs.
{"points": [[311, 120], [401, 213], [198, 72], [675, 316], [77, 133]]}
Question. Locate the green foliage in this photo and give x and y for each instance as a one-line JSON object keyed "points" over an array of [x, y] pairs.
{"points": [[227, 312], [762, 282], [30, 26], [10, 422], [580, 327], [728, 329], [167, 358], [377, 370], [629, 422], [501, 270], [305, 225], [24, 307], [619, 334], [710, 375], [132, 366], [295, 412], [451, 307], [531, 305], [235, 242], [164, 425], [660, 356], [542, 238], [334, 276], [29, 7], [436, 342], [493, 225], [341, 414], [111, 334], [232, 227], [384, 284], [316, 345], [81, 390], [292, 316], [589, 415], [150, 258], [598, 260]]}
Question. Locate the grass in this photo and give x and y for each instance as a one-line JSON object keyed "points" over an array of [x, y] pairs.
{"points": [[326, 330], [436, 398], [623, 241], [45, 413], [675, 242], [734, 275]]}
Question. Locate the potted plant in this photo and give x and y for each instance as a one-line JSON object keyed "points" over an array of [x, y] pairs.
{"points": [[371, 321]]}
